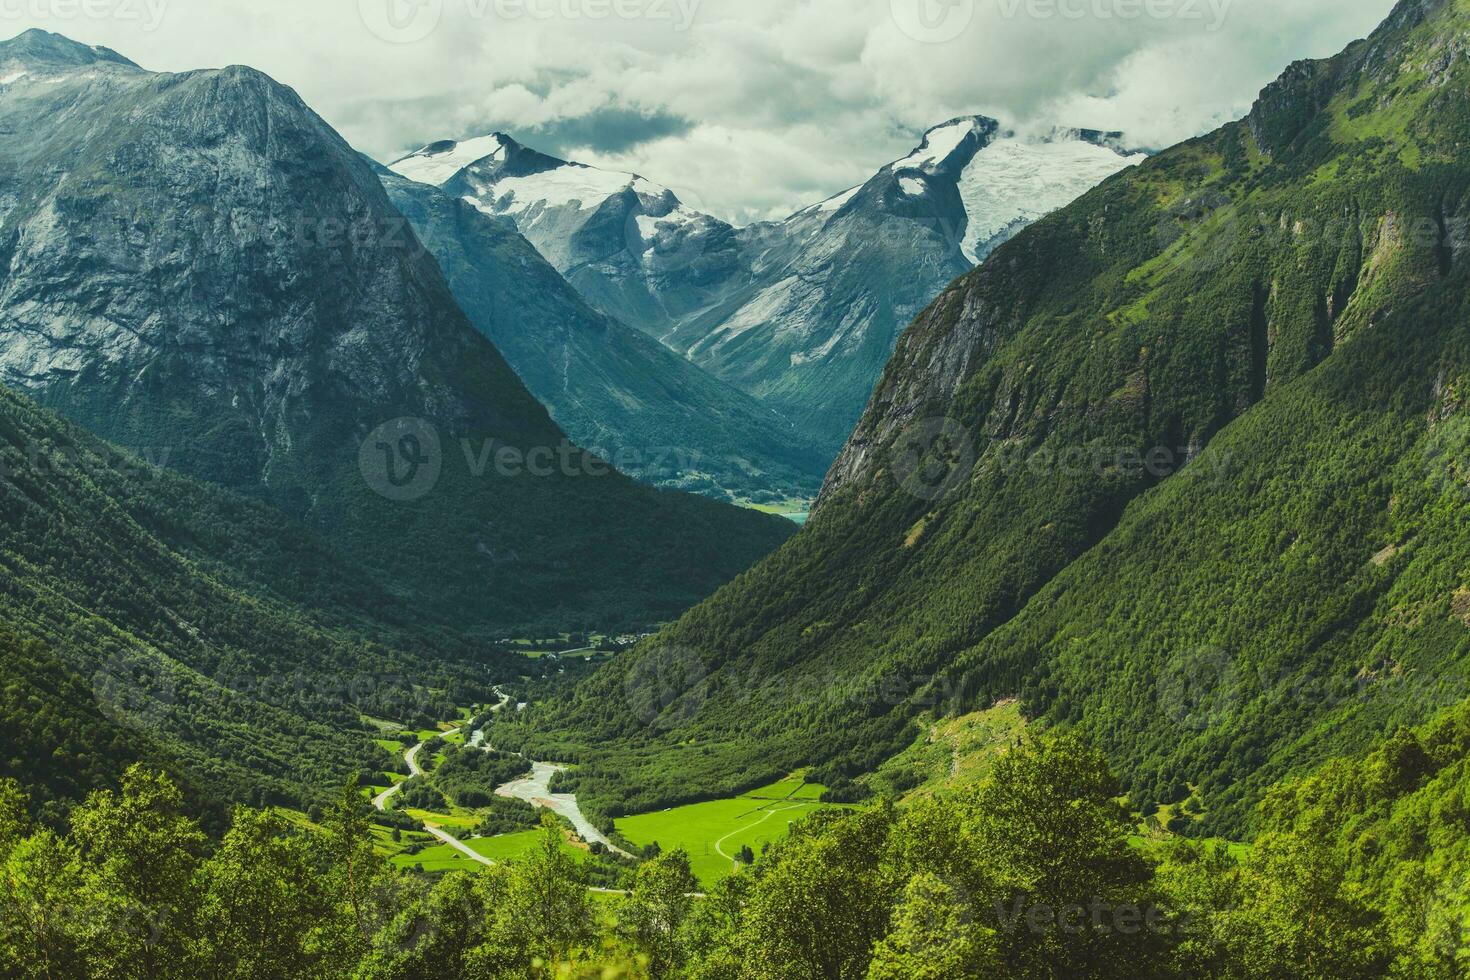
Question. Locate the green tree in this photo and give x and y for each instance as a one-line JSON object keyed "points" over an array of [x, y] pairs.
{"points": [[42, 916], [654, 914], [1075, 898], [139, 855], [1300, 916], [935, 937], [546, 900], [262, 901], [823, 901], [435, 935]]}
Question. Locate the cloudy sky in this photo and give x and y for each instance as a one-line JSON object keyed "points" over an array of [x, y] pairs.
{"points": [[747, 108]]}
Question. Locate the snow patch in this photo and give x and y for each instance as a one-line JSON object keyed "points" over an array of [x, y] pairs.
{"points": [[913, 187], [13, 78], [1013, 182], [939, 144], [837, 203], [437, 168], [585, 188]]}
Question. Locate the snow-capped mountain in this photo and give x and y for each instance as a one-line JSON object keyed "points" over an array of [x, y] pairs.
{"points": [[802, 313], [198, 261], [627, 244], [833, 286], [611, 387]]}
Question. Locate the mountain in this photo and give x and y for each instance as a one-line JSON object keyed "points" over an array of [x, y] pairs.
{"points": [[627, 244], [801, 313], [658, 416], [831, 288], [1181, 467], [198, 263], [148, 617]]}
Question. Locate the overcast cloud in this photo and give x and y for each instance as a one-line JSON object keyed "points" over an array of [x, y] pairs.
{"points": [[747, 108]]}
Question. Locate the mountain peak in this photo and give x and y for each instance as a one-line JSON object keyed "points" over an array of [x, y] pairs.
{"points": [[436, 163], [36, 49], [950, 144]]}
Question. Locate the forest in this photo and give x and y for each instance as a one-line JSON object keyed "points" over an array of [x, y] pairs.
{"points": [[1037, 871]]}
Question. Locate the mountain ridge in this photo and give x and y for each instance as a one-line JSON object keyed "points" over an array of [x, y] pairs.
{"points": [[1178, 467], [800, 313], [216, 271]]}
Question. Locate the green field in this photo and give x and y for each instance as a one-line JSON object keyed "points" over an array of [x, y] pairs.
{"points": [[705, 830], [507, 847]]}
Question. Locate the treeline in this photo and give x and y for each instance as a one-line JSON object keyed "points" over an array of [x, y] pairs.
{"points": [[1034, 873]]}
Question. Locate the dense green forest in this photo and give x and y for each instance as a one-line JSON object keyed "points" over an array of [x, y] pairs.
{"points": [[1033, 873], [146, 616], [1181, 467]]}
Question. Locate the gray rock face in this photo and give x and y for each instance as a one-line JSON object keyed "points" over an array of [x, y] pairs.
{"points": [[198, 262], [801, 313], [611, 387]]}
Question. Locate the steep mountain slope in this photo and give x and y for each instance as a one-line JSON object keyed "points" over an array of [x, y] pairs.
{"points": [[1182, 466], [659, 417], [199, 262], [801, 313], [146, 616]]}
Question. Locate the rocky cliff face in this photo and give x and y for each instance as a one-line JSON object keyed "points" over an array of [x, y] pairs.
{"points": [[198, 261]]}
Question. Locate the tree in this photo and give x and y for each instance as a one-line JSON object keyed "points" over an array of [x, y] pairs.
{"points": [[935, 937], [655, 912], [139, 854], [435, 935], [262, 897], [1297, 907], [43, 919], [823, 900], [1074, 897], [546, 899]]}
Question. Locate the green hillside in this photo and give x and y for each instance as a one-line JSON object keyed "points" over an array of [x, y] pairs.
{"points": [[1181, 466], [147, 617]]}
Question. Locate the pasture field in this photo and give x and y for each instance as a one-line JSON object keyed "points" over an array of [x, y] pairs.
{"points": [[713, 833]]}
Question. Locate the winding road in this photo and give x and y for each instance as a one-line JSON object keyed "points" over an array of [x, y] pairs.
{"points": [[412, 758], [536, 790], [719, 848]]}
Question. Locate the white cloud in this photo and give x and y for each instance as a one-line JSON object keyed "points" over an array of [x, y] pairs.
{"points": [[782, 102]]}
